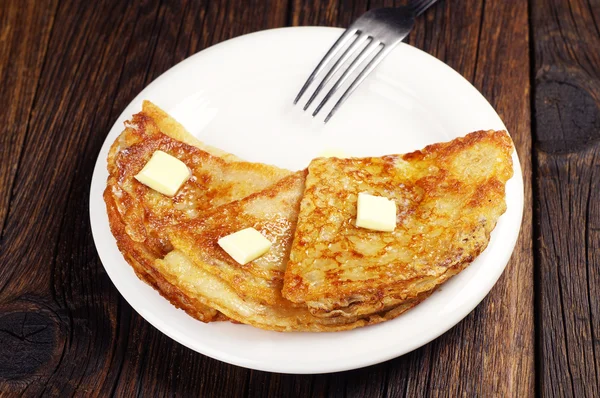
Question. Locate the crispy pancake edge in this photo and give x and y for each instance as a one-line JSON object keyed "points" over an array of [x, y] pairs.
{"points": [[198, 239], [135, 253], [175, 130], [142, 263], [238, 293], [267, 317]]}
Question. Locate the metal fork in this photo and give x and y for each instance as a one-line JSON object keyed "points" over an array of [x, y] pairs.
{"points": [[381, 30]]}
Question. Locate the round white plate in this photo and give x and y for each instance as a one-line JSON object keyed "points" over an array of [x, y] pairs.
{"points": [[238, 96]]}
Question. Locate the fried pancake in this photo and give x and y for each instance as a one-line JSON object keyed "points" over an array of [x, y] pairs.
{"points": [[139, 216], [143, 263], [169, 126], [449, 197], [251, 293], [197, 284], [146, 213]]}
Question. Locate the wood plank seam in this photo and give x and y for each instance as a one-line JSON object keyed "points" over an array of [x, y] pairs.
{"points": [[589, 4], [538, 363], [155, 36], [289, 20], [482, 13]]}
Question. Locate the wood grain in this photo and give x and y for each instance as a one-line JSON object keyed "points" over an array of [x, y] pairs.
{"points": [[503, 78], [69, 68], [22, 55], [567, 153]]}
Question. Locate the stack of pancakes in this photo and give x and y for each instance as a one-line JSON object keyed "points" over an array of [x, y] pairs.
{"points": [[322, 272]]}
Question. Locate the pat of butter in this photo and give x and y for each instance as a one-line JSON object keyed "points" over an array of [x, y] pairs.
{"points": [[245, 245], [376, 213], [164, 173], [333, 153]]}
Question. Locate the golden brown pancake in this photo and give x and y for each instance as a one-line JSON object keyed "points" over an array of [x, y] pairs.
{"points": [[146, 213], [197, 284], [143, 263], [251, 293], [139, 216], [171, 243], [169, 126], [449, 197]]}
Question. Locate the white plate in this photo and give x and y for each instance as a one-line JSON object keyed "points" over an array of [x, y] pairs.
{"points": [[238, 96]]}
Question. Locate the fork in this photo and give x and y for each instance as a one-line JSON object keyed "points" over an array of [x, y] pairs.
{"points": [[379, 31]]}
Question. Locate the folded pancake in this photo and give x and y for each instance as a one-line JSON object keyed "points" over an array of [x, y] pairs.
{"points": [[169, 126], [251, 293], [139, 216], [204, 287], [143, 260], [449, 197]]}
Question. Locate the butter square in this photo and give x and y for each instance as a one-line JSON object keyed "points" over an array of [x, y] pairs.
{"points": [[164, 173], [375, 212], [245, 245]]}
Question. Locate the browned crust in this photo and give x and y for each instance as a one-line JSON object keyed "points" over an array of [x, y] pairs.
{"points": [[282, 317], [139, 229], [141, 260], [446, 150], [146, 213], [335, 294], [377, 304], [198, 239]]}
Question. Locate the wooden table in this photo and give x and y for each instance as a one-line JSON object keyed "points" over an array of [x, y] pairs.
{"points": [[68, 68]]}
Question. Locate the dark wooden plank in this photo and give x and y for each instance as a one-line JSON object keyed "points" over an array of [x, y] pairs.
{"points": [[55, 274], [24, 31], [52, 281], [507, 315], [566, 39]]}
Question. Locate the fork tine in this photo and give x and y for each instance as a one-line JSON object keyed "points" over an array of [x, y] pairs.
{"points": [[360, 39], [357, 61], [343, 39], [359, 79]]}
